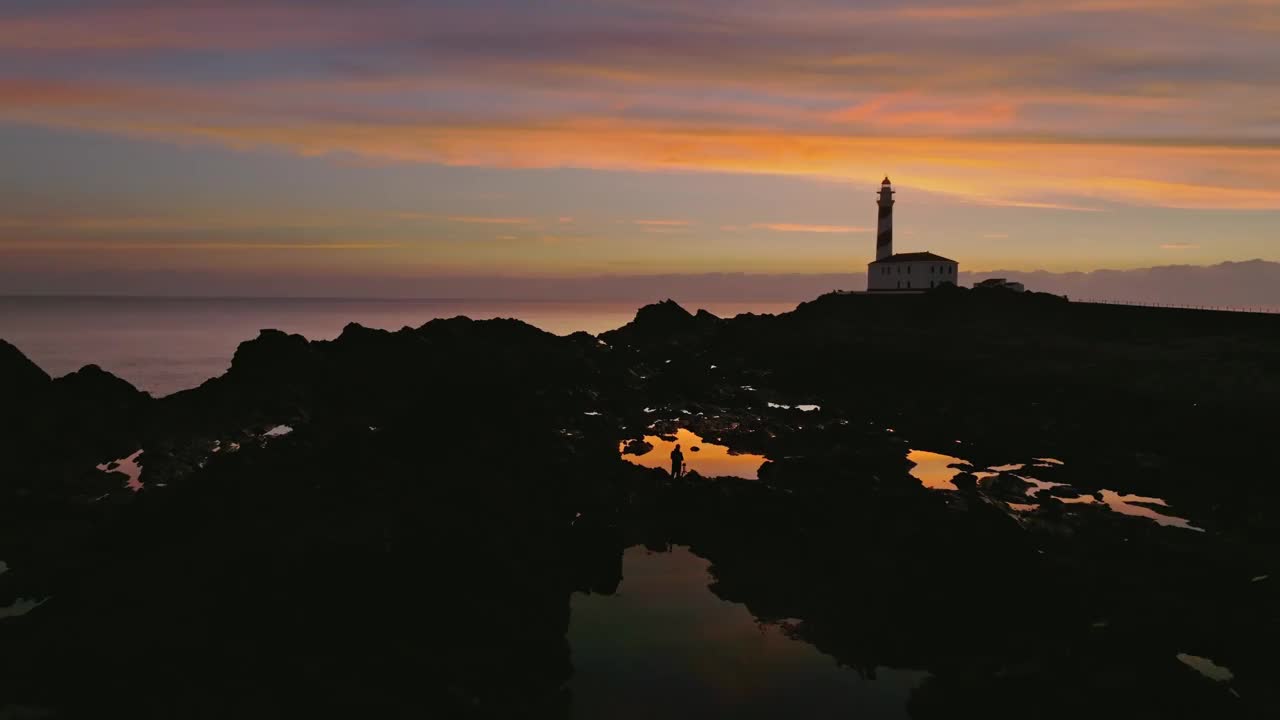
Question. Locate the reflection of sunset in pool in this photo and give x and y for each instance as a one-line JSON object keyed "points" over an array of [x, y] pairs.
{"points": [[931, 469], [710, 461], [664, 646], [1135, 506]]}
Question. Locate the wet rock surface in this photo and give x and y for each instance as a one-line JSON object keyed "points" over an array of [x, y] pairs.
{"points": [[410, 547]]}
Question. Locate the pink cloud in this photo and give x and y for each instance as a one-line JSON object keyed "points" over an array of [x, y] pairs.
{"points": [[800, 228]]}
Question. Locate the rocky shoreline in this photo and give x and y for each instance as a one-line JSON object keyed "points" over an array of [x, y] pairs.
{"points": [[408, 544]]}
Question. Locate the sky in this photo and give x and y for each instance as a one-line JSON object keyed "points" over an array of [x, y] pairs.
{"points": [[246, 143]]}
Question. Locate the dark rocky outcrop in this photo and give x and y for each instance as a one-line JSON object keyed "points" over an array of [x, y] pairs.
{"points": [[62, 424], [410, 548], [664, 323]]}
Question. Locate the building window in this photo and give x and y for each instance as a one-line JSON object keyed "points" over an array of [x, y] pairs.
{"points": [[899, 284], [908, 284], [908, 269]]}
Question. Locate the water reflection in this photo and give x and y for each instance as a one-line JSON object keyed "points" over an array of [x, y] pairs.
{"points": [[20, 607], [1207, 667], [277, 431], [933, 469], [665, 647], [1136, 506], [801, 408], [128, 466], [936, 472], [709, 460]]}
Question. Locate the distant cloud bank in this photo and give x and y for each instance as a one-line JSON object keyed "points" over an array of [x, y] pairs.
{"points": [[1253, 283], [1235, 284]]}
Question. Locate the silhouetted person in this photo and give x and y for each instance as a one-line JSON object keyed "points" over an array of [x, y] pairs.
{"points": [[677, 462]]}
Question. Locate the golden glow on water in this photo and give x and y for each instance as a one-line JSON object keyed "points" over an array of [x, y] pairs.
{"points": [[1123, 505], [710, 460], [932, 469]]}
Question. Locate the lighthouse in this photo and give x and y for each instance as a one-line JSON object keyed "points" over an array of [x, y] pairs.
{"points": [[906, 273], [884, 229]]}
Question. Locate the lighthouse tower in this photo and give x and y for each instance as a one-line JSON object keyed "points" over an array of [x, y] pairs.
{"points": [[884, 230], [912, 272]]}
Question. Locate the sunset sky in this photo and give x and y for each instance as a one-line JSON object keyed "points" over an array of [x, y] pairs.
{"points": [[392, 138]]}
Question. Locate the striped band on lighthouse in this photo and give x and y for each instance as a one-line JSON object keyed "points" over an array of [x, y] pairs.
{"points": [[884, 232]]}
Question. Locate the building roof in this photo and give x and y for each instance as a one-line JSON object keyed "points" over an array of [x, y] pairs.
{"points": [[913, 257]]}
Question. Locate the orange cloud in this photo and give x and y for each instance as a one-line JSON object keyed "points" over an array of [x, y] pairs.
{"points": [[939, 114], [1009, 171], [84, 245], [479, 220], [1001, 202], [794, 228]]}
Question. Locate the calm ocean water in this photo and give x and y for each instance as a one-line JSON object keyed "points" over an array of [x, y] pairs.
{"points": [[163, 345]]}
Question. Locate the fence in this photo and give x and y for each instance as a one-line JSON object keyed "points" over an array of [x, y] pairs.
{"points": [[1268, 309]]}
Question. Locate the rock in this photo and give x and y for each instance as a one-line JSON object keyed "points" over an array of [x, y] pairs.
{"points": [[23, 385], [636, 446], [661, 323], [1061, 491], [1006, 486], [17, 373], [276, 356]]}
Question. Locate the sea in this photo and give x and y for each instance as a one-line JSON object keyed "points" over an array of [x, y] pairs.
{"points": [[163, 345]]}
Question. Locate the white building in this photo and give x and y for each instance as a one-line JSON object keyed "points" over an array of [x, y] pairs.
{"points": [[904, 272], [1002, 283]]}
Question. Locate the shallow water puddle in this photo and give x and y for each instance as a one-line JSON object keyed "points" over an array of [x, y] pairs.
{"points": [[665, 646], [129, 466], [20, 607], [801, 408], [1207, 667], [933, 469], [1129, 505], [277, 431], [710, 459], [1036, 484]]}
